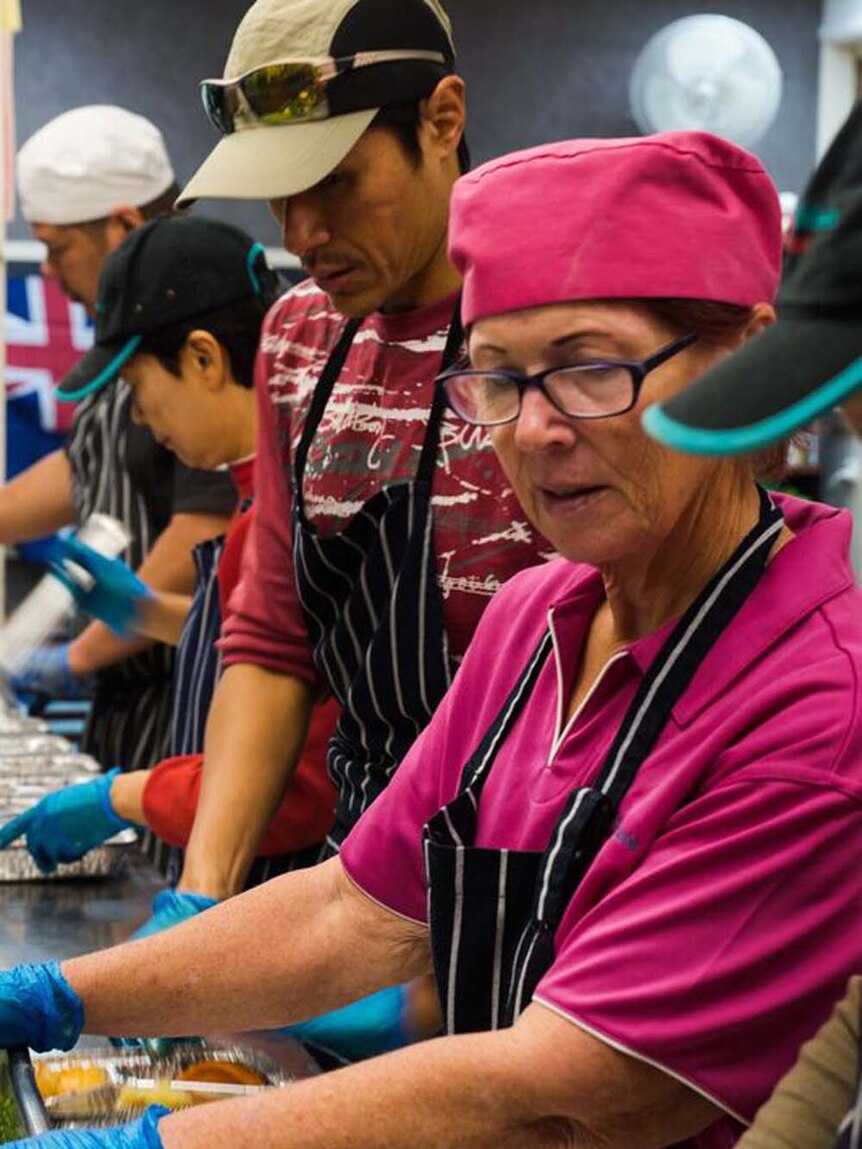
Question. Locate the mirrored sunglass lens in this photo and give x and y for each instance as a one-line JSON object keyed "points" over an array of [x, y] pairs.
{"points": [[483, 399], [280, 92], [215, 105], [603, 389]]}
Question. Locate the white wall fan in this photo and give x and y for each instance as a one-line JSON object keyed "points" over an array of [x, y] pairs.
{"points": [[710, 73]]}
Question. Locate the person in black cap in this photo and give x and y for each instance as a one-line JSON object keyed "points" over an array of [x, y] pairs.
{"points": [[88, 179], [800, 368], [811, 360], [181, 304]]}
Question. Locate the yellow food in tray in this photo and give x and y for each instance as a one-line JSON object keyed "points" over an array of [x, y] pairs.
{"points": [[70, 1079], [159, 1093]]}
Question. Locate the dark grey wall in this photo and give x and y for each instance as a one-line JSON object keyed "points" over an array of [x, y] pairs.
{"points": [[536, 70]]}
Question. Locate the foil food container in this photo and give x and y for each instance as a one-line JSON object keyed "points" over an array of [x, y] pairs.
{"points": [[24, 780], [31, 745], [120, 1065]]}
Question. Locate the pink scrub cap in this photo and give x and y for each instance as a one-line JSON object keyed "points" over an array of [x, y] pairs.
{"points": [[675, 215]]}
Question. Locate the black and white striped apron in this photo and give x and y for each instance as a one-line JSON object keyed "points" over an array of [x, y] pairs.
{"points": [[493, 913], [373, 610], [196, 673], [196, 665], [129, 723]]}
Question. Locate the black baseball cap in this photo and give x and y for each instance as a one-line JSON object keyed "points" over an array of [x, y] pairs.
{"points": [[811, 359], [170, 271]]}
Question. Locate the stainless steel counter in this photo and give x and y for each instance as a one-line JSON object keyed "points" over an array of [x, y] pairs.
{"points": [[44, 920]]}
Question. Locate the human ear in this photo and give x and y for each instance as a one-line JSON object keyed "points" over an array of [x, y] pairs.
{"points": [[443, 114], [122, 221], [762, 316], [207, 356]]}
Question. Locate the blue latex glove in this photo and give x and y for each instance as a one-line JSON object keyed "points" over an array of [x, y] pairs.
{"points": [[170, 908], [140, 1134], [39, 1008], [117, 595], [365, 1028], [65, 825], [48, 672]]}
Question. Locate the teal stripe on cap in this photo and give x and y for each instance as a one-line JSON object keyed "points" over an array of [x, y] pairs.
{"points": [[255, 251], [813, 217], [738, 440], [110, 372]]}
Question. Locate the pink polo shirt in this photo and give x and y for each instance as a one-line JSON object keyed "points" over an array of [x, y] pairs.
{"points": [[720, 922]]}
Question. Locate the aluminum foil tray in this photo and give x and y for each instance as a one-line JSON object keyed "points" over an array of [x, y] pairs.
{"points": [[121, 1064], [23, 781], [13, 723], [105, 861], [29, 745]]}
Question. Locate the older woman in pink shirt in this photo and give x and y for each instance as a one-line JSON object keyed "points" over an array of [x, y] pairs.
{"points": [[627, 844]]}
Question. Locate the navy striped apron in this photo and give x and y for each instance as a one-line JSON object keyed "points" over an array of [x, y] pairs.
{"points": [[373, 610], [196, 674], [493, 914], [196, 665]]}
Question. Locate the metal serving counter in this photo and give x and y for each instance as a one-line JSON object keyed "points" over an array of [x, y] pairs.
{"points": [[40, 921]]}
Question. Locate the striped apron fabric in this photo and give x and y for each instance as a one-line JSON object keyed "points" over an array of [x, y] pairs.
{"points": [[196, 665], [373, 610], [493, 914], [129, 723], [196, 673]]}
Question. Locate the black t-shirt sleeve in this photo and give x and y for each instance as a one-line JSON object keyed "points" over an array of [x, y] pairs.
{"points": [[202, 492]]}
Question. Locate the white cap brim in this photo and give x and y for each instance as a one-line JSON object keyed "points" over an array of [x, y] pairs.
{"points": [[271, 162]]}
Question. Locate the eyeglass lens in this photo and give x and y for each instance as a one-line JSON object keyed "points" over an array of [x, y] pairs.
{"points": [[583, 392]]}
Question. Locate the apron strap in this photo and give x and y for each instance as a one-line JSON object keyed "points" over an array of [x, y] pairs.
{"points": [[454, 342], [322, 391], [587, 819]]}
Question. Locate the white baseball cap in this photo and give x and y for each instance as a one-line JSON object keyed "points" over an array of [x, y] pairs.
{"points": [[86, 162], [390, 53]]}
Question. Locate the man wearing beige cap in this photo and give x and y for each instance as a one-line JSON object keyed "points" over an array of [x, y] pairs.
{"points": [[86, 179], [347, 116]]}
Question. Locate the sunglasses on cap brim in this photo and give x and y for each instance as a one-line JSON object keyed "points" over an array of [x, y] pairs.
{"points": [[289, 91]]}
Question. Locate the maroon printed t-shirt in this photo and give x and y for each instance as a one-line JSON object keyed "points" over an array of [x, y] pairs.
{"points": [[371, 433]]}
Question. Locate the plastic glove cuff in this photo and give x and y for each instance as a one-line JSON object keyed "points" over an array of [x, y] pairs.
{"points": [[105, 795], [46, 991], [150, 1138]]}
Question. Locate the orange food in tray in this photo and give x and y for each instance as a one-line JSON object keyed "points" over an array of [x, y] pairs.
{"points": [[226, 1072]]}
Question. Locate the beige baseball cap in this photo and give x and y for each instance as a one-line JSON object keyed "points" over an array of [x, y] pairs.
{"points": [[265, 161], [83, 164]]}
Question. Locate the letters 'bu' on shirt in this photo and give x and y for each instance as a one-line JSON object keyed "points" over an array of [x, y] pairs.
{"points": [[719, 923], [371, 434]]}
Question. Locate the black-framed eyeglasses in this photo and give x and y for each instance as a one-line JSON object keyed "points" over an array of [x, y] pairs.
{"points": [[289, 91], [597, 389]]}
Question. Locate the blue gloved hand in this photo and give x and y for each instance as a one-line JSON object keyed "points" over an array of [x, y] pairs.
{"points": [[65, 825], [116, 596], [48, 672], [39, 1008], [365, 1028], [140, 1134], [170, 907]]}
